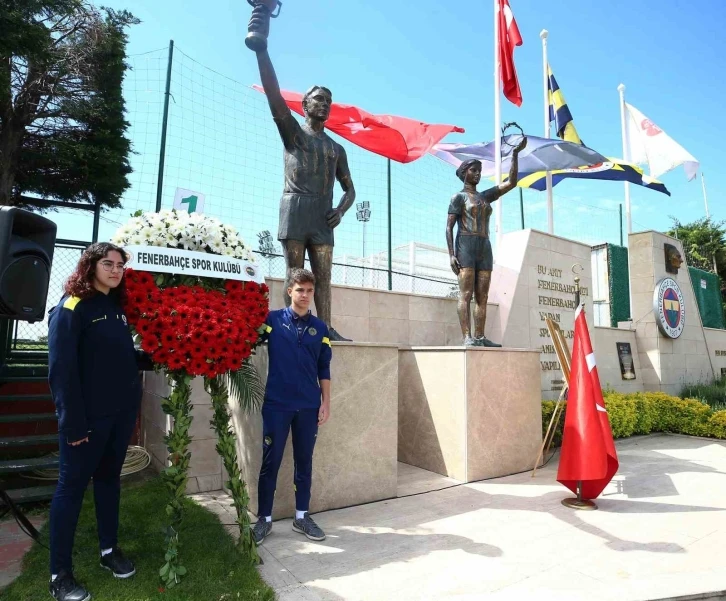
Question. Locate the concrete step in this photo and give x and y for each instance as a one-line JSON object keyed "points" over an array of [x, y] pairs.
{"points": [[10, 466], [28, 441], [27, 417], [32, 494], [12, 398]]}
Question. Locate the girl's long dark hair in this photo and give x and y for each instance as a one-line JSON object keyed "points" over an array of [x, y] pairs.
{"points": [[80, 282]]}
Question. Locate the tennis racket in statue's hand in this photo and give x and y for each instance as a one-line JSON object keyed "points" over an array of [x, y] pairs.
{"points": [[516, 141], [259, 26]]}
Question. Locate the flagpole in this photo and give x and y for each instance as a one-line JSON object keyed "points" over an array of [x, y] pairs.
{"points": [[705, 198], [497, 127], [547, 129], [578, 502], [626, 156]]}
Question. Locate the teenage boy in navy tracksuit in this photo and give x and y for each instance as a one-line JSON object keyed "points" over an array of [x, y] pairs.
{"points": [[297, 398]]}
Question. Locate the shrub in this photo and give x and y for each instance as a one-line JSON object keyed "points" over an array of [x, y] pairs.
{"points": [[717, 424], [646, 412], [623, 415], [548, 408]]}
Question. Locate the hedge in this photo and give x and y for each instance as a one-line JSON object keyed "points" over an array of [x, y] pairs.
{"points": [[646, 412]]}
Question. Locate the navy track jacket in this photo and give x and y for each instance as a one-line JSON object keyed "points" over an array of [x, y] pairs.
{"points": [[299, 359], [92, 362]]}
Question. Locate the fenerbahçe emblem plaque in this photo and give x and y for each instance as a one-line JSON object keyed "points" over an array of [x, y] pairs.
{"points": [[669, 308]]}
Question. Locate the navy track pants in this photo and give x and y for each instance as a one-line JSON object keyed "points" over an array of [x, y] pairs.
{"points": [[275, 426]]}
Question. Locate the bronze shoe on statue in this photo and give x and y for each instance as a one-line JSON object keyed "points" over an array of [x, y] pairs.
{"points": [[484, 341], [335, 337]]}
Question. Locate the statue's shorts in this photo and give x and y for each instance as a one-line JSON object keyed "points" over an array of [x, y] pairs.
{"points": [[303, 218], [474, 251]]}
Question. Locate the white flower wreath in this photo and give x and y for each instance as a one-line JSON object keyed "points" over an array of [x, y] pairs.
{"points": [[179, 229]]}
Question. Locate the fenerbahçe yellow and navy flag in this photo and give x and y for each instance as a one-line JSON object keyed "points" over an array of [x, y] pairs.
{"points": [[559, 111], [613, 170]]}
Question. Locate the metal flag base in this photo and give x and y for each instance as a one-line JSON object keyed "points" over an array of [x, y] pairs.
{"points": [[578, 502], [583, 504]]}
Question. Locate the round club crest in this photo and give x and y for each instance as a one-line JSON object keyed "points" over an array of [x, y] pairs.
{"points": [[669, 308]]}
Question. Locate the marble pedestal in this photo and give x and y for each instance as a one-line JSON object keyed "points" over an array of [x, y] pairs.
{"points": [[469, 413], [205, 466], [355, 458]]}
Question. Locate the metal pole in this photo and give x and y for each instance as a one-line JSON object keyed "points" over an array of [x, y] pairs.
{"points": [[96, 220], [497, 129], [521, 206], [626, 156], [390, 234], [162, 150], [628, 212], [705, 198], [364, 239], [577, 291], [620, 207], [547, 130], [412, 264]]}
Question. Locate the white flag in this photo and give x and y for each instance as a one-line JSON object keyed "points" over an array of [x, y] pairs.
{"points": [[650, 145]]}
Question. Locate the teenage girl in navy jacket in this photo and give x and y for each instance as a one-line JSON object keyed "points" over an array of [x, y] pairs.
{"points": [[96, 388]]}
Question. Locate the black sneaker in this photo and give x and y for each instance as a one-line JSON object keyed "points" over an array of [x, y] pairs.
{"points": [[65, 588], [116, 562], [308, 527], [260, 530]]}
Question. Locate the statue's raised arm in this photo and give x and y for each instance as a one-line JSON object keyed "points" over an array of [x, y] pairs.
{"points": [[313, 162], [259, 28]]}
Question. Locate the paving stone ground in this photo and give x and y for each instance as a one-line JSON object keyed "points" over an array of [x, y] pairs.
{"points": [[659, 533]]}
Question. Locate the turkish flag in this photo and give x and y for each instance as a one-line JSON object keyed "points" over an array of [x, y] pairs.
{"points": [[509, 39], [398, 138], [588, 451]]}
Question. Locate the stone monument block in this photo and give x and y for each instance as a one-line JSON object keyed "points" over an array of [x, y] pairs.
{"points": [[469, 413]]}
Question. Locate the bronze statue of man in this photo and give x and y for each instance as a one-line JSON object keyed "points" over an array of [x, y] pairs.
{"points": [[313, 161], [471, 253]]}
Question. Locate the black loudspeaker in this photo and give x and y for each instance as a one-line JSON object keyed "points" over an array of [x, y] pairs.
{"points": [[27, 242]]}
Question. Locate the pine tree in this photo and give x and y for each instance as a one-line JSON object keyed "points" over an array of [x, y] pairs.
{"points": [[62, 123]]}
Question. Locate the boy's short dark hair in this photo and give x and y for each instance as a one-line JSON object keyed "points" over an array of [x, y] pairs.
{"points": [[301, 276]]}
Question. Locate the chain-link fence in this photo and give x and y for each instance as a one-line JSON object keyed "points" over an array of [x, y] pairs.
{"points": [[373, 272], [221, 142], [30, 337]]}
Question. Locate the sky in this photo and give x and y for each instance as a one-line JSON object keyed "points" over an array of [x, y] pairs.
{"points": [[432, 61]]}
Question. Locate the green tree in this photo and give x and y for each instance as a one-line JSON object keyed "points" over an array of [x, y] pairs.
{"points": [[704, 243], [62, 125]]}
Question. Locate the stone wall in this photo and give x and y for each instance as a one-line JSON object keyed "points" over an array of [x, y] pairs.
{"points": [[368, 315], [356, 451], [604, 344], [666, 364], [716, 345], [533, 280]]}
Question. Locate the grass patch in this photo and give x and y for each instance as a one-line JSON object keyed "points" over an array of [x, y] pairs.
{"points": [[216, 570], [713, 394]]}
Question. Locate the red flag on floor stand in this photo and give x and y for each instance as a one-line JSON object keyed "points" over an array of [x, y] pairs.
{"points": [[398, 138], [588, 451], [509, 39]]}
